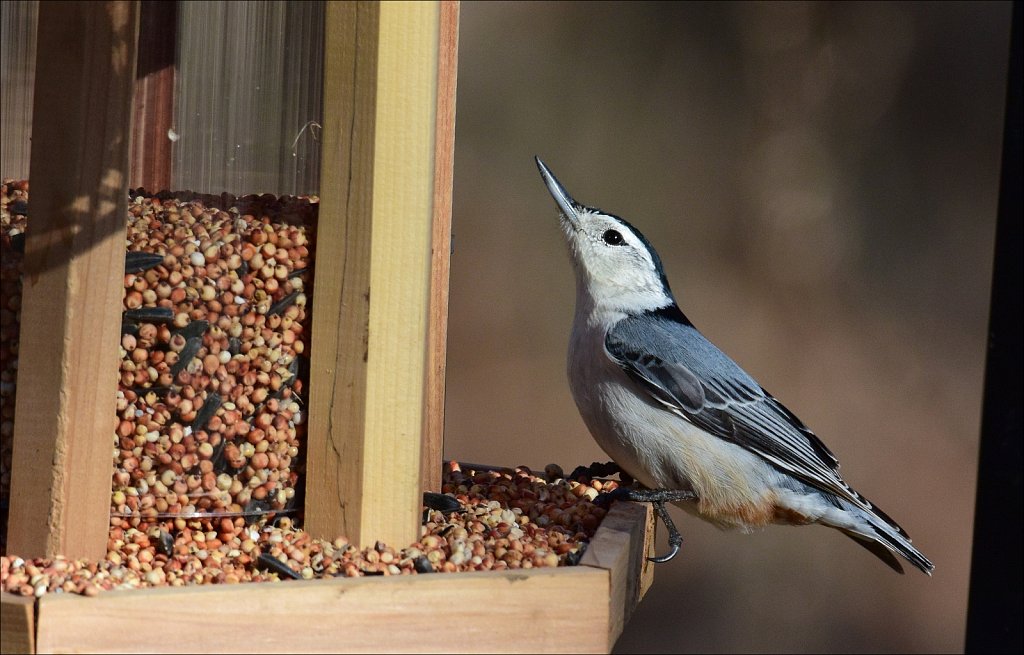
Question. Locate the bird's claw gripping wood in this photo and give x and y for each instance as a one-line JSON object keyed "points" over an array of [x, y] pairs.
{"points": [[675, 540], [658, 498]]}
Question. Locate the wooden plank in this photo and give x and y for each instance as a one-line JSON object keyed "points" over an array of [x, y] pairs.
{"points": [[621, 546], [400, 268], [153, 102], [369, 336], [440, 245], [530, 611], [17, 624], [341, 295], [74, 266]]}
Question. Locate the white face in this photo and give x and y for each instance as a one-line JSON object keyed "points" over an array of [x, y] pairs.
{"points": [[614, 267]]}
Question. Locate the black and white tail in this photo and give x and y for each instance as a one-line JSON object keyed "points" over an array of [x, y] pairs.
{"points": [[886, 539]]}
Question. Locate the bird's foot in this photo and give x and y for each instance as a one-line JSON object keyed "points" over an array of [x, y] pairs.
{"points": [[601, 470], [658, 498]]}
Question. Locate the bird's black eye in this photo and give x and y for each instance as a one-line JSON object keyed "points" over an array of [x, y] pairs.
{"points": [[612, 238]]}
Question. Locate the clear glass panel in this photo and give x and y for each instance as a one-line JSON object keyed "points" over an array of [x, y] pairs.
{"points": [[215, 324], [248, 97], [17, 74], [216, 321]]}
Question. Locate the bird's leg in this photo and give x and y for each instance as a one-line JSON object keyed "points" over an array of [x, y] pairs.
{"points": [[651, 495], [675, 540], [658, 498]]}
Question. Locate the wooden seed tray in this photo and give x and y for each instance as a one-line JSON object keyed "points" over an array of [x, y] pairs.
{"points": [[565, 609]]}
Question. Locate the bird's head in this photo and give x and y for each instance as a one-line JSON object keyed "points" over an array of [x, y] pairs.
{"points": [[615, 265]]}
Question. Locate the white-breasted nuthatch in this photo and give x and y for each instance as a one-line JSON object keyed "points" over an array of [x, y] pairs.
{"points": [[679, 416]]}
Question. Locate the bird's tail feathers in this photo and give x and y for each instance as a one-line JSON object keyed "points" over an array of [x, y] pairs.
{"points": [[882, 552], [885, 538]]}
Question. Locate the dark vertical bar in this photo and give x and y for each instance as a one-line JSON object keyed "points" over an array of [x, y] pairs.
{"points": [[994, 609], [153, 103]]}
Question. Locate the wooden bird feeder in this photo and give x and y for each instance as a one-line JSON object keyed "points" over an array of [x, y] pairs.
{"points": [[376, 381]]}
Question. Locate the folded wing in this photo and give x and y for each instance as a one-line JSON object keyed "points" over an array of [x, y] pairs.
{"points": [[686, 373]]}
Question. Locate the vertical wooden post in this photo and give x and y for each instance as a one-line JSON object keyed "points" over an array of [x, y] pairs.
{"points": [[74, 265], [153, 103], [371, 296], [441, 240]]}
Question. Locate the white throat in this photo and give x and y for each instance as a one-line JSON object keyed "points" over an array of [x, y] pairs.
{"points": [[603, 310]]}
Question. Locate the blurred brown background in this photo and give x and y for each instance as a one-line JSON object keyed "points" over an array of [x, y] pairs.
{"points": [[820, 181]]}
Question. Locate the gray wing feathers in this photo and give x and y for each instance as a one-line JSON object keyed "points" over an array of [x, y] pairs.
{"points": [[689, 375]]}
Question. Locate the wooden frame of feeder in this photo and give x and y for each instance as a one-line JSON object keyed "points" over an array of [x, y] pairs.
{"points": [[376, 383]]}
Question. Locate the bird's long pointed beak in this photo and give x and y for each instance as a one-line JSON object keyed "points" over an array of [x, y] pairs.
{"points": [[570, 208]]}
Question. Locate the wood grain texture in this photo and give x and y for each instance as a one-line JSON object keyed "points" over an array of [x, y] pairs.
{"points": [[341, 294], [17, 624], [440, 245], [524, 611], [153, 102], [621, 546], [74, 264], [403, 190], [369, 333]]}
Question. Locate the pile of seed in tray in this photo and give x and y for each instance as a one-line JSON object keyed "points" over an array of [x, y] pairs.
{"points": [[506, 519]]}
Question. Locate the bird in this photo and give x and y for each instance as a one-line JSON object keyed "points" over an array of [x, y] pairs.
{"points": [[680, 417]]}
